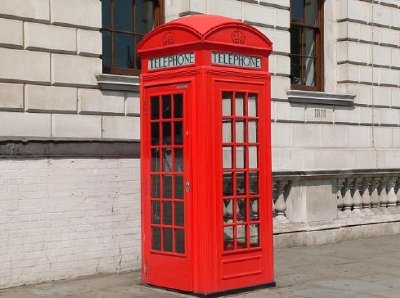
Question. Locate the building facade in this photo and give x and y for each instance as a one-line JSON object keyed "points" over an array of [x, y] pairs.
{"points": [[70, 132]]}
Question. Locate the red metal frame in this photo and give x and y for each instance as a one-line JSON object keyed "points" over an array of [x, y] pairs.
{"points": [[208, 264]]}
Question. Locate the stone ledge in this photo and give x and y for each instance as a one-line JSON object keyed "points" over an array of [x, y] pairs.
{"points": [[297, 96], [118, 82]]}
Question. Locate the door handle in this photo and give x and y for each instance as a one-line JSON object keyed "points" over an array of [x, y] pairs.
{"points": [[187, 186]]}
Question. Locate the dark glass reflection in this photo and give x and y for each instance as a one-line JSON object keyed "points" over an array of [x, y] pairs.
{"points": [[155, 160], [155, 214], [296, 10], [179, 241], [179, 160], [123, 50], [167, 186], [167, 213], [179, 214], [166, 133], [178, 133], [123, 15], [241, 210], [106, 57], [106, 14], [228, 211], [155, 107], [155, 186], [253, 183], [178, 187], [228, 238], [240, 183], [178, 106], [166, 106], [167, 239], [155, 134], [295, 70], [156, 238], [227, 187], [144, 21]]}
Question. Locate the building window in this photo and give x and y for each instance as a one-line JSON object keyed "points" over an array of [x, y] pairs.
{"points": [[125, 23], [306, 37]]}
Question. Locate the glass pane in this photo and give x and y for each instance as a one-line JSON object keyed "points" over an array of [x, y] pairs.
{"points": [[167, 186], [240, 157], [228, 238], [310, 71], [254, 209], [252, 107], [252, 132], [179, 214], [227, 157], [144, 20], [123, 50], [295, 40], [166, 130], [226, 131], [311, 14], [123, 15], [227, 103], [155, 160], [178, 106], [239, 109], [227, 187], [241, 210], [239, 132], [167, 160], [155, 107], [241, 236], [179, 241], [178, 133], [167, 213], [106, 57], [309, 42], [106, 14], [240, 183], [228, 211], [166, 106], [295, 70], [178, 187], [155, 134], [254, 235], [138, 64], [167, 239], [155, 186], [253, 160], [253, 183], [297, 9], [155, 214], [156, 238], [178, 160]]}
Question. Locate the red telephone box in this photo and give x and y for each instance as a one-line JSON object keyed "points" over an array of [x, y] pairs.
{"points": [[206, 156]]}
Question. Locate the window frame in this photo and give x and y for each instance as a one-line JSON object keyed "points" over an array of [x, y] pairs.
{"points": [[319, 49], [158, 20]]}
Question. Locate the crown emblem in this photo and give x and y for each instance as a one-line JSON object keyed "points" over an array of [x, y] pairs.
{"points": [[168, 39], [238, 37]]}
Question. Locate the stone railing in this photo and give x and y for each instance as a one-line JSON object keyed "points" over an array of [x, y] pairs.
{"points": [[357, 193]]}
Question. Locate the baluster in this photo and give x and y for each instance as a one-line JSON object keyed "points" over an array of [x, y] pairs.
{"points": [[397, 189], [391, 195], [339, 197], [274, 197], [365, 196], [357, 202], [383, 197], [280, 204], [374, 193], [347, 199]]}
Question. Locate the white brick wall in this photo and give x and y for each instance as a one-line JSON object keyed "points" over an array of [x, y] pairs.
{"points": [[64, 218]]}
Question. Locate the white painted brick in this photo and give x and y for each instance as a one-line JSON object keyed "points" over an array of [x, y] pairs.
{"points": [[382, 55], [283, 3], [306, 135], [363, 93], [280, 39], [115, 127], [50, 99], [25, 125], [279, 86], [395, 58], [396, 137], [382, 136], [220, 8], [358, 10], [347, 115], [174, 8], [382, 96], [389, 36], [359, 136], [281, 135], [11, 96], [282, 18], [333, 135], [381, 15], [366, 116], [76, 12], [259, 14], [389, 76], [395, 18], [132, 103], [359, 52], [346, 72], [11, 33], [323, 159], [75, 70], [395, 97], [281, 159], [282, 65], [348, 30], [198, 6], [24, 65], [390, 116], [52, 38], [89, 42], [286, 111], [27, 9], [76, 126], [366, 33], [94, 101]]}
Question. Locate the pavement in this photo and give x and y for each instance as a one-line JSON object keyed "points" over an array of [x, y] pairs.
{"points": [[357, 268]]}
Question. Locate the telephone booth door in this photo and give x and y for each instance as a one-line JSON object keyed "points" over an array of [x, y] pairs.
{"points": [[166, 206], [246, 245]]}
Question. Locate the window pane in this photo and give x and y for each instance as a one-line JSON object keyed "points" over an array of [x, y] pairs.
{"points": [[167, 186], [227, 103], [156, 238], [254, 235], [228, 238], [296, 9], [227, 157], [310, 71], [179, 214], [239, 110], [167, 239], [253, 183], [123, 15], [155, 160], [252, 107], [240, 132], [155, 134], [179, 241], [144, 16], [254, 209], [166, 106], [167, 160], [226, 131], [106, 13], [155, 107], [155, 214], [167, 213], [123, 50], [295, 40], [138, 64], [228, 211], [240, 183], [178, 133], [253, 158], [240, 157], [241, 236], [311, 8], [106, 57], [227, 187], [178, 106], [295, 70], [155, 186], [178, 160], [241, 210], [309, 42], [178, 187], [166, 133], [252, 132]]}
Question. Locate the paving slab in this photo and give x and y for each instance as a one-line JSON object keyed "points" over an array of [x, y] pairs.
{"points": [[357, 268]]}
